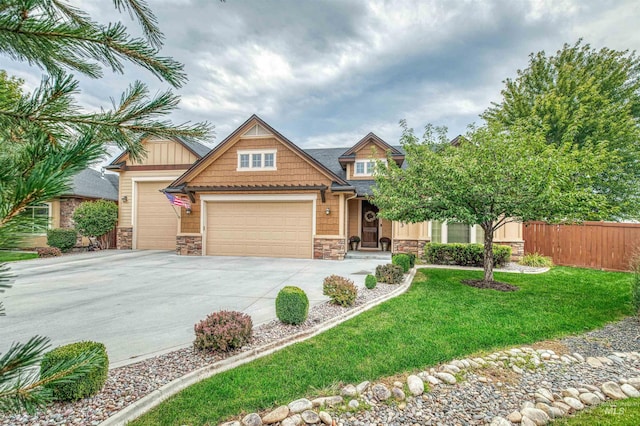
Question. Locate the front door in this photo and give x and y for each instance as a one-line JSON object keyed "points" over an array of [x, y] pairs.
{"points": [[369, 225]]}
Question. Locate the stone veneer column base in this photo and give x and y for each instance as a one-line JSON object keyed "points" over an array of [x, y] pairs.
{"points": [[409, 246], [124, 238], [189, 244], [517, 249], [329, 248]]}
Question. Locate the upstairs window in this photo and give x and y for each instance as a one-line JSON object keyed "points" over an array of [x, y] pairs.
{"points": [[257, 160], [364, 168]]}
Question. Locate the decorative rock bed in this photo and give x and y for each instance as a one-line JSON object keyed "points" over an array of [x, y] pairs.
{"points": [[517, 386]]}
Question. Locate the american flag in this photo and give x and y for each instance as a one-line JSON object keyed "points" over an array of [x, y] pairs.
{"points": [[176, 201]]}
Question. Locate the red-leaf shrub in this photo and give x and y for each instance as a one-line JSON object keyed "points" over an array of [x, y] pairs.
{"points": [[340, 290], [48, 251], [223, 331]]}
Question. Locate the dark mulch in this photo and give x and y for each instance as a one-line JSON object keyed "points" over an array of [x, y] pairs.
{"points": [[494, 285]]}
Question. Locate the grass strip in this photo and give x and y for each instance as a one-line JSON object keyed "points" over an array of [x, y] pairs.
{"points": [[438, 319]]}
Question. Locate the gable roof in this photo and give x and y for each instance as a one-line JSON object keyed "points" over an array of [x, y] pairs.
{"points": [[349, 156], [90, 183], [196, 148], [206, 160]]}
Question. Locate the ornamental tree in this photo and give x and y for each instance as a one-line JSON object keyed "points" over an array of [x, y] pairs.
{"points": [[489, 178], [95, 218], [583, 96]]}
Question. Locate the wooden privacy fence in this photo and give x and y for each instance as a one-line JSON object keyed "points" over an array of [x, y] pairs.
{"points": [[600, 245]]}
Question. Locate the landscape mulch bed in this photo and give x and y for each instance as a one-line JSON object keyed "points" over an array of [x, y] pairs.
{"points": [[493, 285]]}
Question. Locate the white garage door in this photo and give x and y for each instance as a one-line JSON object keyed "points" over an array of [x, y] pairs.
{"points": [[156, 220], [259, 228]]}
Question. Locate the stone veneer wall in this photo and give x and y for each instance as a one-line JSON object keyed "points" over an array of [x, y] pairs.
{"points": [[409, 246], [67, 207], [189, 245], [517, 249], [124, 238], [329, 248]]}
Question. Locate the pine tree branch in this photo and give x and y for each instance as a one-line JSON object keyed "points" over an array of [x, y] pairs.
{"points": [[148, 21]]}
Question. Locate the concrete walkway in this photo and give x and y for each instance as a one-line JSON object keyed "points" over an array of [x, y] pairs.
{"points": [[140, 303]]}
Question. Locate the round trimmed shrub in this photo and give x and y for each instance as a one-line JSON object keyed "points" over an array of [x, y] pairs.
{"points": [[87, 385], [223, 331], [292, 305], [402, 260], [370, 282]]}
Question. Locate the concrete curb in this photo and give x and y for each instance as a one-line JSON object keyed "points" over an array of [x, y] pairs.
{"points": [[153, 399]]}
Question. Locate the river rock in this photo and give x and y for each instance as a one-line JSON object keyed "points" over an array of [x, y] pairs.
{"points": [[416, 385], [252, 419], [325, 417], [574, 403], [398, 393], [349, 391], [446, 377], [539, 417], [276, 415], [515, 417], [546, 393], [310, 417], [589, 398], [635, 382], [353, 404], [381, 392], [612, 390], [327, 401], [572, 392], [630, 391], [500, 421], [300, 405], [594, 362], [362, 387], [294, 420]]}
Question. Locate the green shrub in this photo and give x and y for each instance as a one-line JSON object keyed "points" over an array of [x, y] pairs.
{"points": [[223, 331], [292, 305], [464, 254], [96, 218], [412, 259], [48, 251], [370, 282], [402, 260], [62, 238], [537, 260], [85, 386], [389, 273], [340, 290]]}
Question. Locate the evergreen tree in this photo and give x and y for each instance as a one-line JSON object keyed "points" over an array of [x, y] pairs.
{"points": [[46, 137]]}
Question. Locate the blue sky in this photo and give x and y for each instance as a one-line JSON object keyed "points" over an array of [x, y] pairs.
{"points": [[325, 73]]}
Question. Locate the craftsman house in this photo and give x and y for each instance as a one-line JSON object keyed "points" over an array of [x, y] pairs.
{"points": [[258, 194]]}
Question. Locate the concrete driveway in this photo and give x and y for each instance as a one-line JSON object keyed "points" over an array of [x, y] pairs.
{"points": [[140, 303]]}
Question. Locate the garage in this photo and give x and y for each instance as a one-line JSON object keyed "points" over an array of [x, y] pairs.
{"points": [[259, 228], [157, 221]]}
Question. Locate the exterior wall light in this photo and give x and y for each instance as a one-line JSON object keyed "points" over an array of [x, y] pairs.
{"points": [[124, 199], [327, 211], [188, 210]]}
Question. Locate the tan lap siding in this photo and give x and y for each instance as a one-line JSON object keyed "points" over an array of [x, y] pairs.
{"points": [[259, 228]]}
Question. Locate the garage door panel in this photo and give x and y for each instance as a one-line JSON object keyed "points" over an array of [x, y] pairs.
{"points": [[156, 220], [266, 229]]}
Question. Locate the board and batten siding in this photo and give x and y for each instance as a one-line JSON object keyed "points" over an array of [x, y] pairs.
{"points": [[164, 152]]}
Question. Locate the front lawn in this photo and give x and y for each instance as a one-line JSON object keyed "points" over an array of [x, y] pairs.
{"points": [[12, 256], [438, 319]]}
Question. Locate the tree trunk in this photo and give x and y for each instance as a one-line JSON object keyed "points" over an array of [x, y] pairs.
{"points": [[487, 227]]}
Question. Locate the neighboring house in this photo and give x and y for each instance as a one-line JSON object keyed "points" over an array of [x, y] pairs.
{"points": [[87, 185], [258, 194]]}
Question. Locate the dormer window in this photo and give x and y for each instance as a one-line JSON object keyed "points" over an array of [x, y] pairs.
{"points": [[365, 167], [257, 160]]}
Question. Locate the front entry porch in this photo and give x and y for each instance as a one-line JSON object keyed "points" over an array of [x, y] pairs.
{"points": [[364, 223]]}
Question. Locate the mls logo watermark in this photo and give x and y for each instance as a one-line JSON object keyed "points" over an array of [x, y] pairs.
{"points": [[614, 411]]}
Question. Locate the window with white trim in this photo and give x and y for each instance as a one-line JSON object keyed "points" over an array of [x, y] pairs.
{"points": [[256, 160], [39, 216], [365, 167]]}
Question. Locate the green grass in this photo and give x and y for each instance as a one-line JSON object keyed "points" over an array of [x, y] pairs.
{"points": [[12, 256], [436, 320], [613, 413]]}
